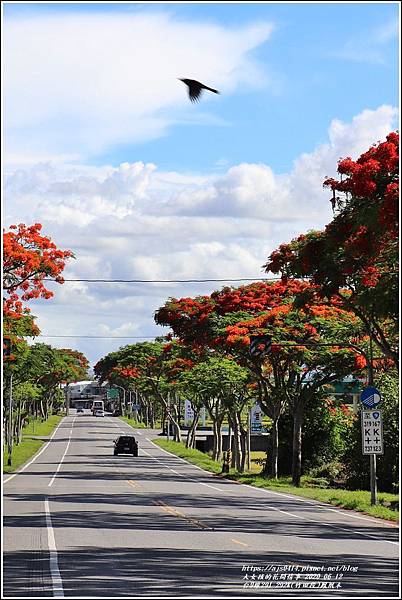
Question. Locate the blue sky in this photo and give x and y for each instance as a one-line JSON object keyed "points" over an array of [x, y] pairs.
{"points": [[323, 59], [103, 147]]}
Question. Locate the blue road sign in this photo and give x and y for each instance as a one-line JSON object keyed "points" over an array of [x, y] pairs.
{"points": [[370, 397]]}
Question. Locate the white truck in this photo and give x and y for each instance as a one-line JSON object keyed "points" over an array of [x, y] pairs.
{"points": [[97, 405]]}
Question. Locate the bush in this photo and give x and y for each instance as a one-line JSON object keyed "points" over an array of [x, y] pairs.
{"points": [[324, 434], [333, 472]]}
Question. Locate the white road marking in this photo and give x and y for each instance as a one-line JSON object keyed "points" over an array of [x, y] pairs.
{"points": [[272, 492], [35, 457], [60, 463], [178, 457], [211, 486], [290, 514], [294, 498], [53, 561], [335, 526], [316, 504], [159, 461]]}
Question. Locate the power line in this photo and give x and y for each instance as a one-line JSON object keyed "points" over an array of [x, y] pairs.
{"points": [[106, 337], [168, 280]]}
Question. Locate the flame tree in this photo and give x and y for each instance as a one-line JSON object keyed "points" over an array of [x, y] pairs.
{"points": [[356, 256], [298, 365]]}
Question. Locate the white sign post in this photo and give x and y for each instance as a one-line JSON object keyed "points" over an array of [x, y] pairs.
{"points": [[256, 419], [188, 412], [372, 432]]}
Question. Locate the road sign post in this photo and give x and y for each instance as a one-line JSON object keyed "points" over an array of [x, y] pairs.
{"points": [[372, 432], [372, 437]]}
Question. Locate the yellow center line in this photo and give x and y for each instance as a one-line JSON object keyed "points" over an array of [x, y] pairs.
{"points": [[237, 542], [134, 484], [176, 513]]}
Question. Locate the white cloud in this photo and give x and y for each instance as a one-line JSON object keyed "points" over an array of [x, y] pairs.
{"points": [[76, 85], [134, 222]]}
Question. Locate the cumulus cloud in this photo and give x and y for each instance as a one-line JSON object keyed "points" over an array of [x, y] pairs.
{"points": [[90, 81], [135, 222]]}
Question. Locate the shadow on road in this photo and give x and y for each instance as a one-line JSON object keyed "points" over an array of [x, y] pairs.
{"points": [[242, 514], [132, 572]]}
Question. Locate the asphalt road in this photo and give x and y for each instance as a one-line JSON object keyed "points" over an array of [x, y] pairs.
{"points": [[81, 522]]}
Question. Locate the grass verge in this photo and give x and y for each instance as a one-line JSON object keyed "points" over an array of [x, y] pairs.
{"points": [[133, 423], [29, 445], [358, 500]]}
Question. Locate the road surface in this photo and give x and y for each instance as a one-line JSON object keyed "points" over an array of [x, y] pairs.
{"points": [[79, 521]]}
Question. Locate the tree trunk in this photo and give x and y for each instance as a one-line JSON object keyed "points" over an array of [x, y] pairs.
{"points": [[175, 420], [190, 443], [217, 447], [151, 415], [18, 436], [298, 415], [271, 465], [147, 414], [236, 454], [44, 409], [244, 447]]}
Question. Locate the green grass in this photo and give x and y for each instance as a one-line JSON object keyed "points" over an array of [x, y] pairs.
{"points": [[358, 500], [196, 457], [133, 423], [30, 446]]}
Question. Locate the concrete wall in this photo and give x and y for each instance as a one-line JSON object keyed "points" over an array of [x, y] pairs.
{"points": [[259, 443]]}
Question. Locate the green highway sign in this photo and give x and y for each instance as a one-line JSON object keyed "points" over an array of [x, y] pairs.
{"points": [[346, 387], [112, 394]]}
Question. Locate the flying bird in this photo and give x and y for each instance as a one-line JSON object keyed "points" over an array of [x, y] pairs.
{"points": [[195, 89]]}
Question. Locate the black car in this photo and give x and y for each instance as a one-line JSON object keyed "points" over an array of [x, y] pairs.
{"points": [[126, 444]]}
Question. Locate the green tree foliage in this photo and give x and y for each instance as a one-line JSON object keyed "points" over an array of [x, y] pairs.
{"points": [[220, 384], [153, 369], [310, 344]]}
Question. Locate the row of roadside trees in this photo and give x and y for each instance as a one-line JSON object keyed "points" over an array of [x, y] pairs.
{"points": [[32, 373], [333, 313]]}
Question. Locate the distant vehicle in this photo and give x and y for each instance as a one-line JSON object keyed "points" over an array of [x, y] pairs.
{"points": [[80, 409], [126, 444], [99, 413], [97, 405], [117, 413]]}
